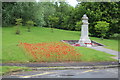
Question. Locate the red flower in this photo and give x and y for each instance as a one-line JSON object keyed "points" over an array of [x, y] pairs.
{"points": [[65, 53], [48, 55], [77, 44], [40, 51]]}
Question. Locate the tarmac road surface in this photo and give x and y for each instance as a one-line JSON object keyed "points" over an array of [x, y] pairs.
{"points": [[77, 73]]}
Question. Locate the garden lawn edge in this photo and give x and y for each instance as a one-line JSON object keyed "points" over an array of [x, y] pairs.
{"points": [[15, 70]]}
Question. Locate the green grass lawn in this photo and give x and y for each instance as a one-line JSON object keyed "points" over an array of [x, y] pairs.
{"points": [[6, 69], [12, 53], [109, 43], [93, 55]]}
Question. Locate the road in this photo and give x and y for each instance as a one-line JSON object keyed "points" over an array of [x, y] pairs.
{"points": [[77, 73]]}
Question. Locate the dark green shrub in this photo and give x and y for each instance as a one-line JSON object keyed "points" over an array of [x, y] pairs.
{"points": [[18, 24], [115, 36], [102, 27], [29, 25]]}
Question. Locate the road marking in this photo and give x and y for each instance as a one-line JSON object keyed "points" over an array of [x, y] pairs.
{"points": [[87, 71], [36, 75]]}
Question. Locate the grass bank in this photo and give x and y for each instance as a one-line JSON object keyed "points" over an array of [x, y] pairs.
{"points": [[109, 43], [6, 69], [12, 53]]}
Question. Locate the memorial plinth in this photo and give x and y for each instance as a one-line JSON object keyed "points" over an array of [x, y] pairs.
{"points": [[84, 39]]}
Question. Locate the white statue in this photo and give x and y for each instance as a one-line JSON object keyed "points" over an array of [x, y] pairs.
{"points": [[84, 39]]}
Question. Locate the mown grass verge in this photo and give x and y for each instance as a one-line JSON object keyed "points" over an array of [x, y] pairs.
{"points": [[6, 69], [12, 53]]}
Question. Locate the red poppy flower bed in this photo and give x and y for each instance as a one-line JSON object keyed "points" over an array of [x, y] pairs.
{"points": [[53, 51]]}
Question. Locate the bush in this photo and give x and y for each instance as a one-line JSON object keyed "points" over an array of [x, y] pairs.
{"points": [[29, 24], [18, 23], [115, 36], [102, 27]]}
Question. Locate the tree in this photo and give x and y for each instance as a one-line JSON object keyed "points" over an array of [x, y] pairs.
{"points": [[49, 10], [13, 10], [66, 18], [102, 27], [18, 23], [29, 25], [53, 21], [78, 25], [7, 13], [102, 11]]}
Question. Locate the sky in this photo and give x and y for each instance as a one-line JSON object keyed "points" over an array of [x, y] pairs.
{"points": [[71, 2]]}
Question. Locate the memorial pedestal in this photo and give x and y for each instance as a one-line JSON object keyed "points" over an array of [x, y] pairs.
{"points": [[84, 39]]}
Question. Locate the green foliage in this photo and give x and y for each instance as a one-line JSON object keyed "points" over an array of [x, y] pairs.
{"points": [[7, 13], [65, 12], [78, 25], [102, 27], [48, 10], [115, 36], [18, 23], [103, 11], [29, 24], [68, 15], [53, 21], [79, 11]]}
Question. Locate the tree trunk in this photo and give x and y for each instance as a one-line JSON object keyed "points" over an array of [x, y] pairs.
{"points": [[17, 30], [102, 38], [52, 29], [28, 29]]}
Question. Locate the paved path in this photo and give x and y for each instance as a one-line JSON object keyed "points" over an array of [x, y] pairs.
{"points": [[100, 48], [78, 73]]}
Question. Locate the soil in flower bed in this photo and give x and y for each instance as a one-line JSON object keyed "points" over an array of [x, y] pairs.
{"points": [[52, 51], [74, 43]]}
